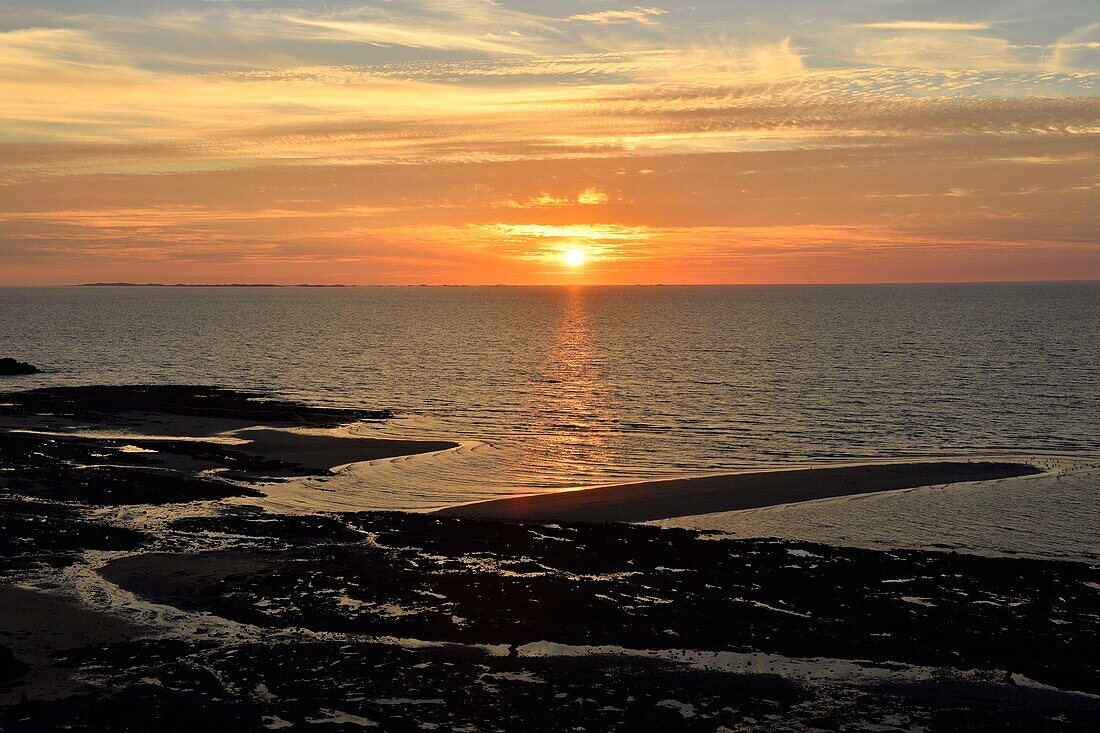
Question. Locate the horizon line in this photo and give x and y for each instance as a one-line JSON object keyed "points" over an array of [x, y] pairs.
{"points": [[545, 285]]}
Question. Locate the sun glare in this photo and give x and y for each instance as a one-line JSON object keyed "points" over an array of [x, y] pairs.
{"points": [[574, 257]]}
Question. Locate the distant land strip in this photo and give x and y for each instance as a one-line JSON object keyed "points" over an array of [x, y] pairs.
{"points": [[300, 285], [205, 285], [652, 500]]}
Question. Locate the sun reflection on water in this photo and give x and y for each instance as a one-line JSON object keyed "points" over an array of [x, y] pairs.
{"points": [[574, 400]]}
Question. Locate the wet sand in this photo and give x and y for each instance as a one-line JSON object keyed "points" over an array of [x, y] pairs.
{"points": [[648, 501], [34, 624]]}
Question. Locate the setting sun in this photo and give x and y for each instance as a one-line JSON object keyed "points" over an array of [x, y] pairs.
{"points": [[574, 257]]}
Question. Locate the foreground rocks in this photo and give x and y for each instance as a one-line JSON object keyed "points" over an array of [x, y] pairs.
{"points": [[45, 454], [352, 686], [640, 588], [411, 622]]}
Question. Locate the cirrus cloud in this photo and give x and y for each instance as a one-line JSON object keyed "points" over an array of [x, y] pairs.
{"points": [[635, 14]]}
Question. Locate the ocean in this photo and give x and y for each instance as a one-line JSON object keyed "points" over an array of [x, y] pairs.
{"points": [[552, 387]]}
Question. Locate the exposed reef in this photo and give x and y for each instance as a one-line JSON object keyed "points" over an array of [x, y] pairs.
{"points": [[102, 403], [637, 587], [411, 622], [171, 444]]}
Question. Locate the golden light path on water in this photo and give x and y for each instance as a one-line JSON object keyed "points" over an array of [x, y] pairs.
{"points": [[564, 439]]}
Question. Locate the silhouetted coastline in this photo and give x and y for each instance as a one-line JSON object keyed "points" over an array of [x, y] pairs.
{"points": [[207, 285]]}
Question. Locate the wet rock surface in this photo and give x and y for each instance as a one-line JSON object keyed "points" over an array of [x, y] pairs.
{"points": [[10, 668], [40, 458], [36, 533], [356, 686], [644, 588], [112, 472]]}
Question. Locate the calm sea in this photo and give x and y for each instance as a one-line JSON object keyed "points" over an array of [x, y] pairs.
{"points": [[568, 386]]}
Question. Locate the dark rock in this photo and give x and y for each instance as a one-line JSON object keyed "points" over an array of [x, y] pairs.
{"points": [[10, 667], [410, 622], [639, 588], [61, 468], [106, 472], [169, 685], [10, 367], [101, 402], [36, 533]]}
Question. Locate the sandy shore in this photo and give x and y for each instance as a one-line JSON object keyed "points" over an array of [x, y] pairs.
{"points": [[647, 501], [36, 623]]}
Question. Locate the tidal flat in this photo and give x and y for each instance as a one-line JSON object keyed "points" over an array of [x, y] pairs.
{"points": [[144, 586]]}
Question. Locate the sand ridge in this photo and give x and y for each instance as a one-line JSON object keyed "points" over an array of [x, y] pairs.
{"points": [[652, 500]]}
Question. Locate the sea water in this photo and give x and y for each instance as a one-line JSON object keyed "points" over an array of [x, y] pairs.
{"points": [[553, 387]]}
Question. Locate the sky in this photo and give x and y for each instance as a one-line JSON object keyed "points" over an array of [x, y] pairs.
{"points": [[522, 142]]}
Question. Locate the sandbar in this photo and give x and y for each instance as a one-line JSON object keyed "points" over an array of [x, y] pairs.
{"points": [[651, 500], [329, 451]]}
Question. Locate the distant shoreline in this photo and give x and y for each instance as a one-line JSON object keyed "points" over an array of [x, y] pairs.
{"points": [[206, 285]]}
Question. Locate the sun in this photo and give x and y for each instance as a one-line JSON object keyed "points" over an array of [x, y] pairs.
{"points": [[574, 257]]}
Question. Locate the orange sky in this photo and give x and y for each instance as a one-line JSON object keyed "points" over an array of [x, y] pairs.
{"points": [[470, 142]]}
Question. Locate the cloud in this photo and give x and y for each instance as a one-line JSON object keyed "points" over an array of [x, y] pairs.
{"points": [[543, 243], [411, 36], [636, 14], [926, 25], [804, 214], [543, 200], [1078, 49], [120, 119], [588, 197], [592, 197], [946, 50]]}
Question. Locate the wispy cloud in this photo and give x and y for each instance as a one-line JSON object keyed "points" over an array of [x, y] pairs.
{"points": [[590, 196], [629, 15], [926, 25], [1076, 50], [410, 36]]}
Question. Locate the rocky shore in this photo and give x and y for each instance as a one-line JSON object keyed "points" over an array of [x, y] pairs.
{"points": [[134, 597]]}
